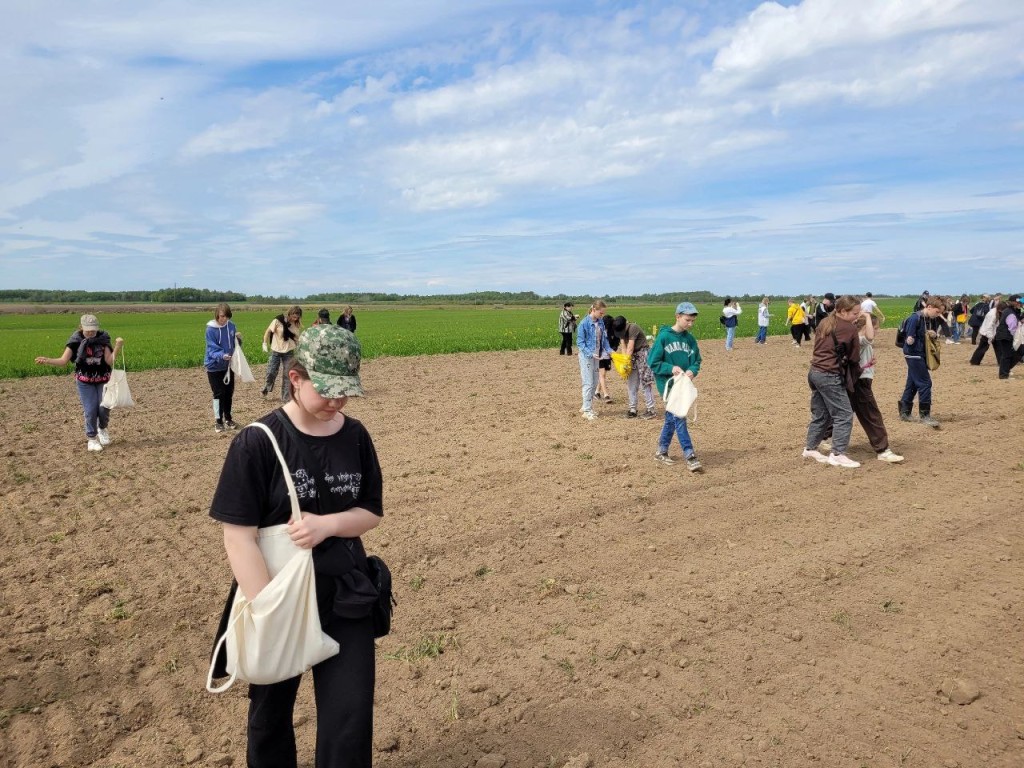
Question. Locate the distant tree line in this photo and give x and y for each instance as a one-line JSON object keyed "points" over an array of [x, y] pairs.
{"points": [[188, 295]]}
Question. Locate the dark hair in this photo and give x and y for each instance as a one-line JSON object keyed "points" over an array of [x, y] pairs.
{"points": [[222, 309], [324, 315], [567, 305], [727, 302], [619, 324]]}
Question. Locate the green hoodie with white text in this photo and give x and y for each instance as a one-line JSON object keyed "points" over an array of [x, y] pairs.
{"points": [[672, 348]]}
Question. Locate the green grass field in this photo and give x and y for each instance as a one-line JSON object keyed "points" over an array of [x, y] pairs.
{"points": [[175, 339]]}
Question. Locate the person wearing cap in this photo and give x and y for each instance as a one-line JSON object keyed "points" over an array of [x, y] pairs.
{"points": [[340, 492], [566, 327], [90, 349], [592, 342], [221, 338], [322, 317], [1002, 341], [281, 334], [675, 352]]}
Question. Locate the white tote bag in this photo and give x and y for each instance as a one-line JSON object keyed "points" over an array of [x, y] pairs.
{"points": [[681, 397], [240, 366], [115, 392], [277, 635]]}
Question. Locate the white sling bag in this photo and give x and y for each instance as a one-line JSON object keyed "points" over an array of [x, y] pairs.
{"points": [[680, 397], [276, 635]]}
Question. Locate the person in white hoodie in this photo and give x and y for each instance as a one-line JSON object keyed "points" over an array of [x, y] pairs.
{"points": [[221, 337], [987, 331], [763, 316], [730, 319]]}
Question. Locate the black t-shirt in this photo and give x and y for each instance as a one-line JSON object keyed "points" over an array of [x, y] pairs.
{"points": [[252, 492]]}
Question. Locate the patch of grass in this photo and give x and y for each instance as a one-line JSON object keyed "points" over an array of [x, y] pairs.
{"points": [[429, 647], [56, 538], [842, 618], [891, 606], [119, 612], [20, 478], [568, 667], [548, 586], [21, 709], [416, 583], [585, 456], [171, 666], [482, 571], [559, 629], [29, 428], [453, 713]]}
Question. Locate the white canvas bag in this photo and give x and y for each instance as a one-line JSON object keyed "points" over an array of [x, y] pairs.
{"points": [[681, 397], [115, 392], [277, 635], [1018, 335], [240, 366]]}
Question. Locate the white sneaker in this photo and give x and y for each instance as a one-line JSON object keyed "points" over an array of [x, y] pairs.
{"points": [[589, 415], [888, 456], [94, 445], [842, 460], [817, 456], [104, 437]]}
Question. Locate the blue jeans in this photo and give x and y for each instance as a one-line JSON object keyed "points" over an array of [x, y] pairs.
{"points": [[588, 375], [830, 407], [762, 334], [730, 335], [955, 330], [278, 360], [673, 424], [919, 382], [90, 395]]}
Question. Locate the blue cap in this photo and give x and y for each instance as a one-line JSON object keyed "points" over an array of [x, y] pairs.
{"points": [[686, 308]]}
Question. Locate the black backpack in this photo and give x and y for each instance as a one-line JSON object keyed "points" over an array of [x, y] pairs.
{"points": [[721, 319]]}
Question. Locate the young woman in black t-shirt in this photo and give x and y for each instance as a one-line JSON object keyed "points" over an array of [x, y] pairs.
{"points": [[324, 449], [93, 356]]}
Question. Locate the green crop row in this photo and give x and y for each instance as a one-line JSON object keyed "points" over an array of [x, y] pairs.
{"points": [[175, 339]]}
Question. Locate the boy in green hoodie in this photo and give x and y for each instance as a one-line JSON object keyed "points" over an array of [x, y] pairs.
{"points": [[675, 352]]}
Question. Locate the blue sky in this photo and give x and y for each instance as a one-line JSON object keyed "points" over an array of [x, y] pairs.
{"points": [[418, 146]]}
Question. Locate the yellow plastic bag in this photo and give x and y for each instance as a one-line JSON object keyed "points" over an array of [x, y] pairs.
{"points": [[622, 363]]}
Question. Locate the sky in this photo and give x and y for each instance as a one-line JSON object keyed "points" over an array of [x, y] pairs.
{"points": [[555, 146]]}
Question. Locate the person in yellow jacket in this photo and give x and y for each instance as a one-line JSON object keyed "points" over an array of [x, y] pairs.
{"points": [[795, 320]]}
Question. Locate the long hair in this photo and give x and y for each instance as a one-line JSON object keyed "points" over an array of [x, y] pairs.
{"points": [[843, 304]]}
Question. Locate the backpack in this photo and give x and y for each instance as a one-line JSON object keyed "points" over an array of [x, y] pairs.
{"points": [[901, 332], [721, 319]]}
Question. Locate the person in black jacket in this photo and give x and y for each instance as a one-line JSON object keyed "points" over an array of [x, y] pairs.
{"points": [[824, 309], [1009, 319], [978, 312], [347, 320]]}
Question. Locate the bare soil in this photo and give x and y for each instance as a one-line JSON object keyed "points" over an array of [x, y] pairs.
{"points": [[589, 606]]}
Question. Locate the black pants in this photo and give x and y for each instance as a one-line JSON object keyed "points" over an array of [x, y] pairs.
{"points": [[566, 344], [1005, 355], [979, 353], [798, 332], [343, 689], [974, 333], [222, 394], [807, 332]]}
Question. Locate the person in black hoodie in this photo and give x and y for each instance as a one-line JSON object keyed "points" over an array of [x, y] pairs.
{"points": [[93, 356], [1009, 319], [978, 312]]}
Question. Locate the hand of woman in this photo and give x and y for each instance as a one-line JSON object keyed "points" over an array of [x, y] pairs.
{"points": [[309, 531], [42, 360]]}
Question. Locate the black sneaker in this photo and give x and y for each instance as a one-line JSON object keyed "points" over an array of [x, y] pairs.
{"points": [[631, 414], [218, 426], [230, 424], [648, 414]]}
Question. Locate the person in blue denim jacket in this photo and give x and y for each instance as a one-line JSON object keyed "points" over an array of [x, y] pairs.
{"points": [[592, 341]]}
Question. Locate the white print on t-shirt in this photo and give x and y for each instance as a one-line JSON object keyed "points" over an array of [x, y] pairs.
{"points": [[347, 482]]}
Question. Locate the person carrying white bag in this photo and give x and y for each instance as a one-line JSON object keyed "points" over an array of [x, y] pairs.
{"points": [[115, 392], [338, 487]]}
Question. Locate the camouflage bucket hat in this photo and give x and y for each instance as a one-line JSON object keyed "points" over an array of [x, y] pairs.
{"points": [[331, 355]]}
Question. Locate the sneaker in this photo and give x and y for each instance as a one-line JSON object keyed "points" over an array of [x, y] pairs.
{"points": [[693, 464], [842, 460], [218, 427], [104, 437], [928, 421], [888, 456], [631, 413], [816, 455], [94, 445], [663, 458], [648, 414], [589, 415], [826, 446], [230, 424]]}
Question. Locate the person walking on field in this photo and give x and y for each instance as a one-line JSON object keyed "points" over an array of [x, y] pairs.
{"points": [[795, 320], [566, 327], [347, 320], [1002, 342], [987, 331], [341, 498], [221, 338], [870, 306], [730, 313], [862, 399], [763, 316], [282, 333], [919, 380], [89, 347], [592, 342], [640, 374], [675, 352], [830, 401], [978, 312]]}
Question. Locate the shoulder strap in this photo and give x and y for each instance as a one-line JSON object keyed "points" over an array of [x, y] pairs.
{"points": [[293, 497]]}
